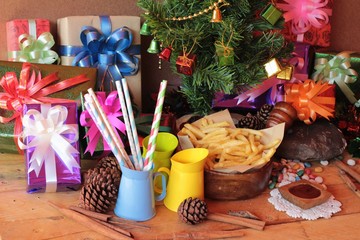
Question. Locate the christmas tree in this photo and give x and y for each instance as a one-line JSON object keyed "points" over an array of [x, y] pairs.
{"points": [[215, 45]]}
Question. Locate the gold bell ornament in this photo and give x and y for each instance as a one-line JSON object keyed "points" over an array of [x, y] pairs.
{"points": [[216, 17], [154, 47]]}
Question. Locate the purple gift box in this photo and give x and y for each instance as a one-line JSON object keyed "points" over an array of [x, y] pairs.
{"points": [[302, 60], [50, 139]]}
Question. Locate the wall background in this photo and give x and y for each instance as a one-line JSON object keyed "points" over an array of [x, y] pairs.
{"points": [[345, 33]]}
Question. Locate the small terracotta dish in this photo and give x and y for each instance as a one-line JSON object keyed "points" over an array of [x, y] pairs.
{"points": [[304, 194]]}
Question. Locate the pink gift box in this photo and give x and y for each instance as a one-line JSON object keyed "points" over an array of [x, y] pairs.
{"points": [[65, 179], [17, 27]]}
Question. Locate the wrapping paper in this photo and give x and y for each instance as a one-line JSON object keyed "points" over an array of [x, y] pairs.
{"points": [[307, 21], [68, 176], [17, 27], [64, 72], [69, 33]]}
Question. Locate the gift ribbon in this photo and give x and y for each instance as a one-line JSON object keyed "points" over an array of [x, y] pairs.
{"points": [[111, 52], [338, 70], [304, 14], [30, 88], [255, 92], [50, 138], [111, 106], [35, 50], [307, 102]]}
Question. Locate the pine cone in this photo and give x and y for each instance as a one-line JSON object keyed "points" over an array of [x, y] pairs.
{"points": [[100, 190], [108, 162], [252, 122], [192, 211], [264, 112]]}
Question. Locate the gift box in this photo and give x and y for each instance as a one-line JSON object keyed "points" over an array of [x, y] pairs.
{"points": [[302, 61], [109, 43], [30, 40], [7, 127], [311, 99], [308, 21], [17, 27], [225, 54], [92, 143], [50, 139], [185, 64]]}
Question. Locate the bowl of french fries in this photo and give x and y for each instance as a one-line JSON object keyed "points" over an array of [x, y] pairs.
{"points": [[239, 162]]}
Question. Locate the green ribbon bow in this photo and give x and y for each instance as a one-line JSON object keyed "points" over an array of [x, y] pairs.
{"points": [[35, 50], [338, 70]]}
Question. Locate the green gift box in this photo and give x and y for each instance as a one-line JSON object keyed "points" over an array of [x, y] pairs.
{"points": [[7, 144], [271, 14], [225, 55]]}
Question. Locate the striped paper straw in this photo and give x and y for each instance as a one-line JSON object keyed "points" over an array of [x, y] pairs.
{"points": [[100, 124], [129, 129], [155, 126], [109, 128], [132, 121]]}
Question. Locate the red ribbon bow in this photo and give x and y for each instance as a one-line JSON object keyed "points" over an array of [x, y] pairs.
{"points": [[30, 88]]}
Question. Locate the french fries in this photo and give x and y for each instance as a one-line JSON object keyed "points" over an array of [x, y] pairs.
{"points": [[229, 147]]}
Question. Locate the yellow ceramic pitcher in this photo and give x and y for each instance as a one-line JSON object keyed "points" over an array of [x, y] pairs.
{"points": [[186, 177]]}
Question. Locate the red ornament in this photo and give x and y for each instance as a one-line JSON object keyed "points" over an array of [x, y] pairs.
{"points": [[185, 64], [165, 54]]}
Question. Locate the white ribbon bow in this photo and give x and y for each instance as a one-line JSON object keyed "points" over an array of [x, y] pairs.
{"points": [[48, 134]]}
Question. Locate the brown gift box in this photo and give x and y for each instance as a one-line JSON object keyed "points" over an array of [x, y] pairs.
{"points": [[69, 29]]}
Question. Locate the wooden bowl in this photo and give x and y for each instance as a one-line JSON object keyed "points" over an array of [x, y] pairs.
{"points": [[236, 186]]}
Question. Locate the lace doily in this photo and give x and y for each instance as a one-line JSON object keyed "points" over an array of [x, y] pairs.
{"points": [[324, 210]]}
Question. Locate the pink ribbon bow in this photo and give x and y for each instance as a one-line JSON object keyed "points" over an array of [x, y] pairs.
{"points": [[305, 13]]}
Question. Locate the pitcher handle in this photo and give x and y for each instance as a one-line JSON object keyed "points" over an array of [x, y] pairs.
{"points": [[162, 191]]}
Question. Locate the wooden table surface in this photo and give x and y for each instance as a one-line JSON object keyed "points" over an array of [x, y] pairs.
{"points": [[29, 216]]}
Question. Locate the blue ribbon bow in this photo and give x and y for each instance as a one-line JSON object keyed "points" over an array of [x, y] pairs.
{"points": [[110, 52]]}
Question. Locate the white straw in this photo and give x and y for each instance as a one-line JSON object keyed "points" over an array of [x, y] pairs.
{"points": [[129, 130]]}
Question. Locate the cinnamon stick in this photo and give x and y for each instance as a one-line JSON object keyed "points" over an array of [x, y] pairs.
{"points": [[348, 170], [88, 222], [113, 227], [91, 214], [202, 235], [251, 223], [349, 183]]}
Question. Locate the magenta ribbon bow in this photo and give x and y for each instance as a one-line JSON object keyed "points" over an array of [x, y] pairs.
{"points": [[305, 13], [111, 106]]}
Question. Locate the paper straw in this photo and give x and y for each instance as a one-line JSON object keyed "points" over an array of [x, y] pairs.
{"points": [[110, 129], [129, 130], [99, 123], [155, 126], [132, 120]]}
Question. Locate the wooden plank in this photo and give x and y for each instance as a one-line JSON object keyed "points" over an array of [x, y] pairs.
{"points": [[33, 218]]}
